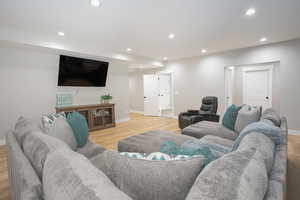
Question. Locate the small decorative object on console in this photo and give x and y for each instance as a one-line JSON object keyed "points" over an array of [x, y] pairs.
{"points": [[64, 99], [105, 99]]}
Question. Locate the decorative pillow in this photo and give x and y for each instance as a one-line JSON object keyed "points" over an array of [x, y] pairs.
{"points": [[263, 145], [235, 176], [154, 156], [80, 128], [230, 116], [272, 115], [49, 120], [150, 179], [246, 115], [37, 146], [23, 127], [61, 129], [69, 176]]}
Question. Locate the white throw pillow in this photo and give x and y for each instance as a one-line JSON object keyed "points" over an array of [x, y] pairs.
{"points": [[246, 115], [61, 129]]}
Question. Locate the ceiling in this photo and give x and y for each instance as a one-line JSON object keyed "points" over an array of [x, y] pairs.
{"points": [[144, 25]]}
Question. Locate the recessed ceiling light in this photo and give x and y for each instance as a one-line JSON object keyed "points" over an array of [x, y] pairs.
{"points": [[171, 36], [95, 3], [250, 12], [263, 39], [165, 58], [128, 49], [61, 33], [203, 51]]}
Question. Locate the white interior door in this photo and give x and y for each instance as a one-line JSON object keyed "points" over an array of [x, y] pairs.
{"points": [[257, 87], [165, 91], [229, 86], [151, 92]]}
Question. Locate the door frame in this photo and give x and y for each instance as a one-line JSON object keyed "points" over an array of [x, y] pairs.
{"points": [[267, 67], [172, 90], [231, 71]]}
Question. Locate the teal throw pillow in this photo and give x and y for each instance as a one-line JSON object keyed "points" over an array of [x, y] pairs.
{"points": [[80, 128], [230, 116]]}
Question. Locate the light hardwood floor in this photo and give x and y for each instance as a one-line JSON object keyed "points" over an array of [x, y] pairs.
{"points": [[138, 124]]}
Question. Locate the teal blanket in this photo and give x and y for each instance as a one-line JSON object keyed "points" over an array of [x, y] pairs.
{"points": [[192, 148], [271, 131]]}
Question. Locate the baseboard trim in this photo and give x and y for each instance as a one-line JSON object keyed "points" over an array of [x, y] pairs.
{"points": [[137, 111], [293, 132], [170, 116], [122, 120], [2, 142]]}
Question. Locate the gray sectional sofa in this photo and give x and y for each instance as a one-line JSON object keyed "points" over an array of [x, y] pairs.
{"points": [[44, 167], [229, 177]]}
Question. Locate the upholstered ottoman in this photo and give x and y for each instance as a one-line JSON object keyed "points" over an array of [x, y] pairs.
{"points": [[150, 141], [204, 128]]}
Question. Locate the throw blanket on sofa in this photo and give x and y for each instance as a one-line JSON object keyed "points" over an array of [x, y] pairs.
{"points": [[191, 148], [268, 130]]}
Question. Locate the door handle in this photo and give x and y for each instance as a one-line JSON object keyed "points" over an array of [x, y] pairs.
{"points": [[145, 97], [267, 97]]}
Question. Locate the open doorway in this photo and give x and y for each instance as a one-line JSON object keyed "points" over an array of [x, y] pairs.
{"points": [[158, 94], [255, 85]]}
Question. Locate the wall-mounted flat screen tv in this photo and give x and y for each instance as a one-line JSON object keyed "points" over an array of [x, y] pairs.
{"points": [[80, 72]]}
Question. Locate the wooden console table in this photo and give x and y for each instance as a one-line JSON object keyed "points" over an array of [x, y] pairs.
{"points": [[98, 116]]}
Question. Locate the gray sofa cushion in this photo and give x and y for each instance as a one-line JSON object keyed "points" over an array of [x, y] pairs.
{"points": [[68, 176], [246, 115], [265, 147], [204, 128], [211, 139], [271, 115], [150, 141], [24, 183], [23, 127], [90, 149], [150, 179], [60, 129], [37, 146], [236, 176]]}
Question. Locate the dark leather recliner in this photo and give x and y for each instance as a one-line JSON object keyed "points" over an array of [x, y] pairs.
{"points": [[207, 112]]}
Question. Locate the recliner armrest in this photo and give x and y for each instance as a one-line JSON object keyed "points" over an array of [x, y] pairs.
{"points": [[196, 112], [211, 117]]}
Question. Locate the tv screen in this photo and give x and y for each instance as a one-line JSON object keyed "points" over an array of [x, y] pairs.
{"points": [[81, 72]]}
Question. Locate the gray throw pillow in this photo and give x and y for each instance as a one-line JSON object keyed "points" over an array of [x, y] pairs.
{"points": [[265, 147], [246, 116], [23, 127], [150, 179], [70, 176], [272, 115], [61, 129], [239, 175], [37, 146]]}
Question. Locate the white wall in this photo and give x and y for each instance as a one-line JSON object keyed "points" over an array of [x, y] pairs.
{"points": [[202, 76], [28, 86]]}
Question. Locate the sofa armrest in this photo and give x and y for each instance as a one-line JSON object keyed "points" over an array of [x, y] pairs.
{"points": [[91, 149]]}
